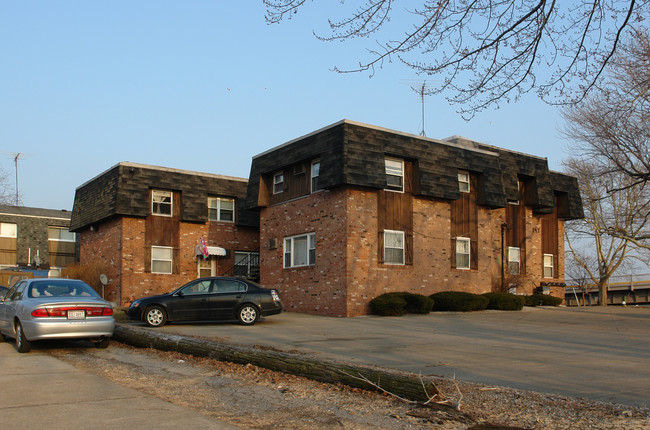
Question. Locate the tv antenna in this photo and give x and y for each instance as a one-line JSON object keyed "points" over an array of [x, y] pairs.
{"points": [[422, 89], [15, 156]]}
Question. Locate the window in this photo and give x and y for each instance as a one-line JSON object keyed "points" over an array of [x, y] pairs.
{"points": [[221, 209], [229, 286], [315, 173], [514, 259], [202, 286], [393, 247], [278, 183], [463, 182], [300, 250], [161, 259], [247, 263], [394, 174], [8, 229], [548, 265], [60, 234], [161, 203], [462, 253]]}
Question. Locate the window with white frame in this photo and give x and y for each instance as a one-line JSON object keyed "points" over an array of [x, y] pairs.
{"points": [[315, 173], [394, 174], [393, 247], [514, 260], [300, 250], [161, 203], [278, 183], [548, 265], [8, 229], [161, 259], [462, 252], [463, 182], [60, 234], [221, 209]]}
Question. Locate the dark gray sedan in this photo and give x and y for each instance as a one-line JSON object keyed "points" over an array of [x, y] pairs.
{"points": [[207, 299], [44, 308]]}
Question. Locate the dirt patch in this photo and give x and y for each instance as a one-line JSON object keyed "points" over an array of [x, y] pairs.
{"points": [[256, 398]]}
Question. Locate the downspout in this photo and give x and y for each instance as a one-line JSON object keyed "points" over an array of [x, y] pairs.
{"points": [[504, 228]]}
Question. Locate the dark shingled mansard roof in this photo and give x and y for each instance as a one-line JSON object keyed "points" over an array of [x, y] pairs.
{"points": [[352, 154], [123, 190]]}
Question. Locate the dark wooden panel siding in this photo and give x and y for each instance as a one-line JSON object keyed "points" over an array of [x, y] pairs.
{"points": [[164, 231], [464, 221], [550, 238]]}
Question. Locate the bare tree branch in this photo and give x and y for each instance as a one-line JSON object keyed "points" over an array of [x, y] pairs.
{"points": [[490, 51]]}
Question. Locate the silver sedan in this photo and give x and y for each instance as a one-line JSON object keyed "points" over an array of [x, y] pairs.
{"points": [[45, 308]]}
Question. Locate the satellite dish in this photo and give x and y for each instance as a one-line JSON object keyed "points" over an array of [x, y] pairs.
{"points": [[103, 279]]}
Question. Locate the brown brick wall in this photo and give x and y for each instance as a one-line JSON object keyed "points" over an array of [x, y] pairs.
{"points": [[120, 245], [347, 275], [319, 289]]}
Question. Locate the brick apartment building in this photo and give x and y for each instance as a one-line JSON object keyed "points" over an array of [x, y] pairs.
{"points": [[36, 239], [351, 211], [146, 225]]}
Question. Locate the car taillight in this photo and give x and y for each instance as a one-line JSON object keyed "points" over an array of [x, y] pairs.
{"points": [[91, 311], [275, 296]]}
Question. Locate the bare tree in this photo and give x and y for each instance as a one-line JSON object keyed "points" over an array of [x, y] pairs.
{"points": [[489, 51], [611, 126], [593, 247], [5, 190]]}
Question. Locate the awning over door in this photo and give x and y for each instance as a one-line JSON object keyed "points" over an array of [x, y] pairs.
{"points": [[212, 250]]}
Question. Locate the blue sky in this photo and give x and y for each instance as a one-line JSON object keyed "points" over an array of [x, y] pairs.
{"points": [[200, 85]]}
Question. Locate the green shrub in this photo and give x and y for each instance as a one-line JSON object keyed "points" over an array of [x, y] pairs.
{"points": [[396, 304], [458, 301], [504, 301], [543, 300], [389, 304], [417, 303]]}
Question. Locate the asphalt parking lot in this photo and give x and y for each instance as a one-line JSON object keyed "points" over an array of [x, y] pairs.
{"points": [[597, 353]]}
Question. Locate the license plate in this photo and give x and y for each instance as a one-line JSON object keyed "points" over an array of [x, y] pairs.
{"points": [[76, 315]]}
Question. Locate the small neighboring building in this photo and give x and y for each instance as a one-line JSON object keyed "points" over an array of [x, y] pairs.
{"points": [[352, 211], [155, 228], [36, 239]]}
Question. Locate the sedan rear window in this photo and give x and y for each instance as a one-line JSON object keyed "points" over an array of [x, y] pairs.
{"points": [[60, 289]]}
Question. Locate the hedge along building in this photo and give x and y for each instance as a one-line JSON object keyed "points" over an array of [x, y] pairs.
{"points": [[147, 226], [352, 211]]}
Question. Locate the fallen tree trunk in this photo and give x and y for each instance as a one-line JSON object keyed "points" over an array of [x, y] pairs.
{"points": [[410, 387]]}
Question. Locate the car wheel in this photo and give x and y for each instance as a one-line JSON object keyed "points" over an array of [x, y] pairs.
{"points": [[248, 314], [22, 344], [155, 316], [102, 343]]}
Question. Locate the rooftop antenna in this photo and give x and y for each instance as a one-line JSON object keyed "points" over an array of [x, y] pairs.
{"points": [[16, 157], [422, 89]]}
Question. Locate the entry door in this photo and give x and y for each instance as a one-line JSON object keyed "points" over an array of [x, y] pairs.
{"points": [[206, 267]]}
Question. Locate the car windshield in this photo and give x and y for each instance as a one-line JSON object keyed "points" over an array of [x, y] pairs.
{"points": [[60, 288]]}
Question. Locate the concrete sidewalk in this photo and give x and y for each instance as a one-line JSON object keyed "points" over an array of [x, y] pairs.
{"points": [[40, 391], [597, 353]]}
